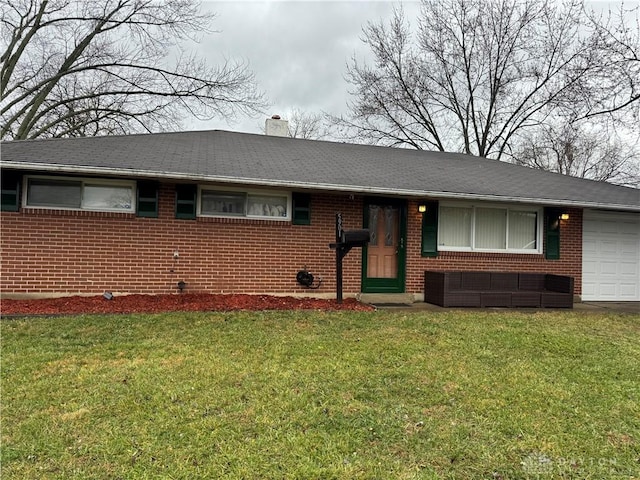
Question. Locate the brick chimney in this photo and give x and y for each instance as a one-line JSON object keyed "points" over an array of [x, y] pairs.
{"points": [[276, 127]]}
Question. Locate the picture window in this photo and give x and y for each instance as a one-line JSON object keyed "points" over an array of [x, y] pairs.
{"points": [[489, 228], [80, 194], [243, 204]]}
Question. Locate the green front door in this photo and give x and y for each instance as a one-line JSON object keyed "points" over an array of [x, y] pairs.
{"points": [[383, 258]]}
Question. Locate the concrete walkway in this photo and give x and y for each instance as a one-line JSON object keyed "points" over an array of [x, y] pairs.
{"points": [[632, 308], [618, 307]]}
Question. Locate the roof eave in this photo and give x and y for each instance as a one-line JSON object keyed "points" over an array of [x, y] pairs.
{"points": [[161, 175]]}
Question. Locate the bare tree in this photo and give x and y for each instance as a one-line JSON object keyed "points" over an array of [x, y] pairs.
{"points": [[477, 75], [613, 85], [595, 132], [582, 150], [74, 68], [307, 125]]}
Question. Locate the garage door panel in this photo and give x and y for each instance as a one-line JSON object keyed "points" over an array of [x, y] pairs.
{"points": [[629, 248], [608, 268], [608, 247], [589, 270], [611, 256], [608, 290], [629, 229], [628, 291], [628, 269]]}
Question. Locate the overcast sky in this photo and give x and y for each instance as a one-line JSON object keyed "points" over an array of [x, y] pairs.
{"points": [[298, 50]]}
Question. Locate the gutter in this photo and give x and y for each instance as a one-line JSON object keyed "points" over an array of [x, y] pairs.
{"points": [[328, 187]]}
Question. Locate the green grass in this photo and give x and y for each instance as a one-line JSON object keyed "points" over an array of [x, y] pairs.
{"points": [[487, 395]]}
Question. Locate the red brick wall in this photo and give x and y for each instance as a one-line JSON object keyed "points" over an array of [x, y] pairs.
{"points": [[50, 251], [57, 251]]}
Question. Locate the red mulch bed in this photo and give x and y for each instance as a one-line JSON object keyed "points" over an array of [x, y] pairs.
{"points": [[194, 302]]}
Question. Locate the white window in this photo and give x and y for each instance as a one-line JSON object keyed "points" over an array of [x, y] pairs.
{"points": [[251, 204], [79, 194], [523, 229], [455, 226], [489, 228], [267, 206], [223, 203]]}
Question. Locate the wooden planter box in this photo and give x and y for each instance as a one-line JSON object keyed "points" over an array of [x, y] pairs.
{"points": [[498, 289]]}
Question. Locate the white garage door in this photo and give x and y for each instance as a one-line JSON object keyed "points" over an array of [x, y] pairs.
{"points": [[611, 256]]}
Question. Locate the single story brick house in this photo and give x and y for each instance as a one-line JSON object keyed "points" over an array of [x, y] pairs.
{"points": [[226, 212]]}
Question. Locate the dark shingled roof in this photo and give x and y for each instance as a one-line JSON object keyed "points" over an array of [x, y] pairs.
{"points": [[249, 159]]}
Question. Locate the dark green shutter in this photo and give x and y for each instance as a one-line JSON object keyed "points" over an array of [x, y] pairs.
{"points": [[430, 230], [147, 199], [186, 198], [10, 191], [552, 233], [301, 209]]}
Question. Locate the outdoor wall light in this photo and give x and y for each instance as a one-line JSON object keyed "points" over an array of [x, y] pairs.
{"points": [[564, 216], [422, 208]]}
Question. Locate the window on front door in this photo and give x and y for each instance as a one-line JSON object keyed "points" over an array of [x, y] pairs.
{"points": [[382, 259]]}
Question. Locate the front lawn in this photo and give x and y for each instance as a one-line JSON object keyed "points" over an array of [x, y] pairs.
{"points": [[486, 395]]}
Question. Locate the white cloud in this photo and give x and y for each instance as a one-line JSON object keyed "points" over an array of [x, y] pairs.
{"points": [[298, 50]]}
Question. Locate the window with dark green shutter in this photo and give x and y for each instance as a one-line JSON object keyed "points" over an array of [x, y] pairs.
{"points": [[186, 198], [430, 230], [552, 233], [147, 199], [10, 191], [301, 209]]}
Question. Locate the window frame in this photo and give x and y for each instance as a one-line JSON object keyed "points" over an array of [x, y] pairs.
{"points": [[506, 207], [247, 193], [83, 182]]}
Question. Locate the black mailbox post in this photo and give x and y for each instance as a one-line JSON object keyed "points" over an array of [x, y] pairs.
{"points": [[345, 241]]}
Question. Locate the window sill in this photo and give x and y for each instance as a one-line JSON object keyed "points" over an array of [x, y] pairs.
{"points": [[243, 220], [66, 212], [491, 252], [489, 255]]}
